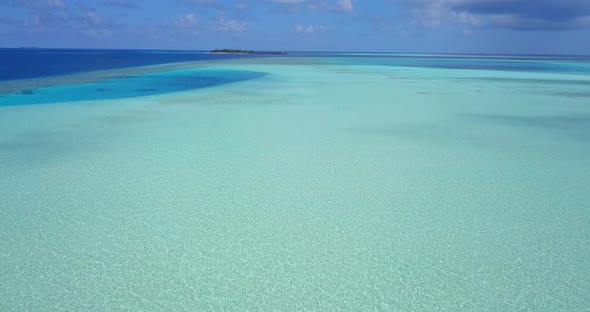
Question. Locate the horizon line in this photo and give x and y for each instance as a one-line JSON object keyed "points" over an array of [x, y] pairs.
{"points": [[301, 51]]}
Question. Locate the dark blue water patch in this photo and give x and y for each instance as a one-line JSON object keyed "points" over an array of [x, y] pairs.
{"points": [[550, 121], [35, 63], [552, 82], [571, 94], [130, 86], [573, 125], [504, 57], [470, 63]]}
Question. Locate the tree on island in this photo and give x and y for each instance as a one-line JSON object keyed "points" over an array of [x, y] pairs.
{"points": [[236, 51]]}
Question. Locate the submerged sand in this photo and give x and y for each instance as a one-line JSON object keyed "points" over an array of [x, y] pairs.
{"points": [[319, 186]]}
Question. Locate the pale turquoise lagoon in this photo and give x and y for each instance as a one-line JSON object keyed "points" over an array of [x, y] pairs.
{"points": [[325, 184]]}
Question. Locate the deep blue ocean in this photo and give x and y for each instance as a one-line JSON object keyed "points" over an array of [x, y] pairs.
{"points": [[36, 63], [24, 63], [18, 64]]}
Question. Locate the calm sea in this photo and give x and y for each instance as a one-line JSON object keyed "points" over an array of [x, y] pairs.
{"points": [[20, 63], [35, 63], [316, 181]]}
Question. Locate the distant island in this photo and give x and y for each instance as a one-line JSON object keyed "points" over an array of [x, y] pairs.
{"points": [[238, 51]]}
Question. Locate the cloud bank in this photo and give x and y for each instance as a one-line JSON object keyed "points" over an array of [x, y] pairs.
{"points": [[511, 14], [320, 5]]}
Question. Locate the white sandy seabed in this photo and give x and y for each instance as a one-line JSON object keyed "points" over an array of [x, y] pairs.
{"points": [[319, 186]]}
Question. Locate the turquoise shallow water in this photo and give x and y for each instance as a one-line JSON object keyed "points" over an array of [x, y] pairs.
{"points": [[324, 184]]}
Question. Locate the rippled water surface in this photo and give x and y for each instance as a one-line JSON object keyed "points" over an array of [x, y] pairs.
{"points": [[310, 183], [127, 86]]}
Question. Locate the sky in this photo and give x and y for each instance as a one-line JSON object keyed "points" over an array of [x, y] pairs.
{"points": [[425, 26]]}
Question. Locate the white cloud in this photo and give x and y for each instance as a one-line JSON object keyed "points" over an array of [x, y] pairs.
{"points": [[34, 21], [205, 2], [309, 29], [230, 25], [186, 21], [120, 4], [36, 4], [288, 1], [97, 33], [346, 5], [94, 18], [56, 4], [320, 5]]}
